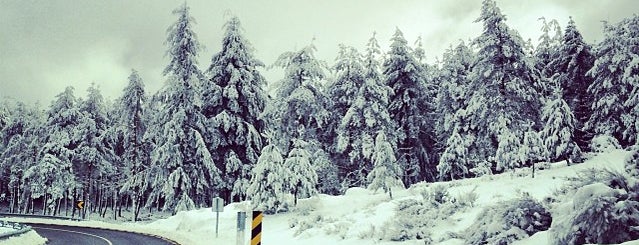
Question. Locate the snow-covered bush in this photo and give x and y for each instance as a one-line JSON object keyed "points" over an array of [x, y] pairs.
{"points": [[410, 222], [414, 218], [599, 214], [468, 199], [604, 144], [613, 179], [632, 162], [436, 195], [483, 168], [506, 222]]}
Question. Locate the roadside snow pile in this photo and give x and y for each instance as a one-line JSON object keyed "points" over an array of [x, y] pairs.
{"points": [[434, 213], [31, 238]]}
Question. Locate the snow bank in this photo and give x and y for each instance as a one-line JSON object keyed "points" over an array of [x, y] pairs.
{"points": [[31, 238]]}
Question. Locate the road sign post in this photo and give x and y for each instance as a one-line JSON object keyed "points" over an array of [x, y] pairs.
{"points": [[218, 206], [241, 224]]}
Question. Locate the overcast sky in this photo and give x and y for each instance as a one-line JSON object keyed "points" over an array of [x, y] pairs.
{"points": [[48, 45]]}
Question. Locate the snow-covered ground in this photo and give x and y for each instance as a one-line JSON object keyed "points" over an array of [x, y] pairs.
{"points": [[28, 238], [361, 216]]}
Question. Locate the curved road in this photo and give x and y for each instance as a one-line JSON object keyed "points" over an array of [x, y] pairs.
{"points": [[69, 235]]}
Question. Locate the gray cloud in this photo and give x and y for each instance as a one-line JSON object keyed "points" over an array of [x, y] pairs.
{"points": [[47, 45]]}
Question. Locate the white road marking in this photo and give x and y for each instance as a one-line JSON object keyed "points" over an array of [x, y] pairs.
{"points": [[82, 233]]}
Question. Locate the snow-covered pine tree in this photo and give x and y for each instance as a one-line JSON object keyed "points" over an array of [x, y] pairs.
{"points": [[53, 173], [559, 125], [507, 154], [631, 79], [367, 115], [232, 103], [453, 163], [90, 162], [532, 150], [386, 172], [21, 142], [269, 181], [503, 95], [299, 101], [544, 53], [342, 93], [132, 125], [409, 110], [184, 173], [571, 63], [302, 178], [615, 78], [452, 91]]}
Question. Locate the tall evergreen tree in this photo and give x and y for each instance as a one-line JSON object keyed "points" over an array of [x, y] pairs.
{"points": [[132, 126], [559, 124], [342, 93], [21, 140], [504, 97], [366, 116], [53, 172], [409, 110], [299, 101], [615, 79], [546, 50], [454, 162], [90, 162], [233, 102], [571, 63], [185, 174], [453, 90]]}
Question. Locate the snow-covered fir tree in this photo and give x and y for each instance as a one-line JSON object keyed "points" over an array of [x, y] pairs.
{"points": [[631, 79], [298, 111], [302, 178], [615, 74], [21, 142], [571, 63], [452, 91], [548, 47], [269, 181], [91, 163], [342, 93], [453, 163], [232, 103], [503, 93], [507, 154], [185, 174], [386, 172], [299, 101], [367, 115], [409, 110], [131, 125], [559, 124], [532, 148], [53, 172]]}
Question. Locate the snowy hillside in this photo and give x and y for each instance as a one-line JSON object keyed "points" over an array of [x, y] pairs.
{"points": [[363, 217]]}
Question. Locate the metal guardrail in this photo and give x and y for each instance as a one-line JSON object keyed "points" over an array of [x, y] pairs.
{"points": [[38, 216], [17, 229]]}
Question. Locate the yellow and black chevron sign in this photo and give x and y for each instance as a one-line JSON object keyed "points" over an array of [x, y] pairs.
{"points": [[256, 228]]}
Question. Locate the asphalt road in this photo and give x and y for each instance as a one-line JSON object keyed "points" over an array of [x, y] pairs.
{"points": [[69, 235]]}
